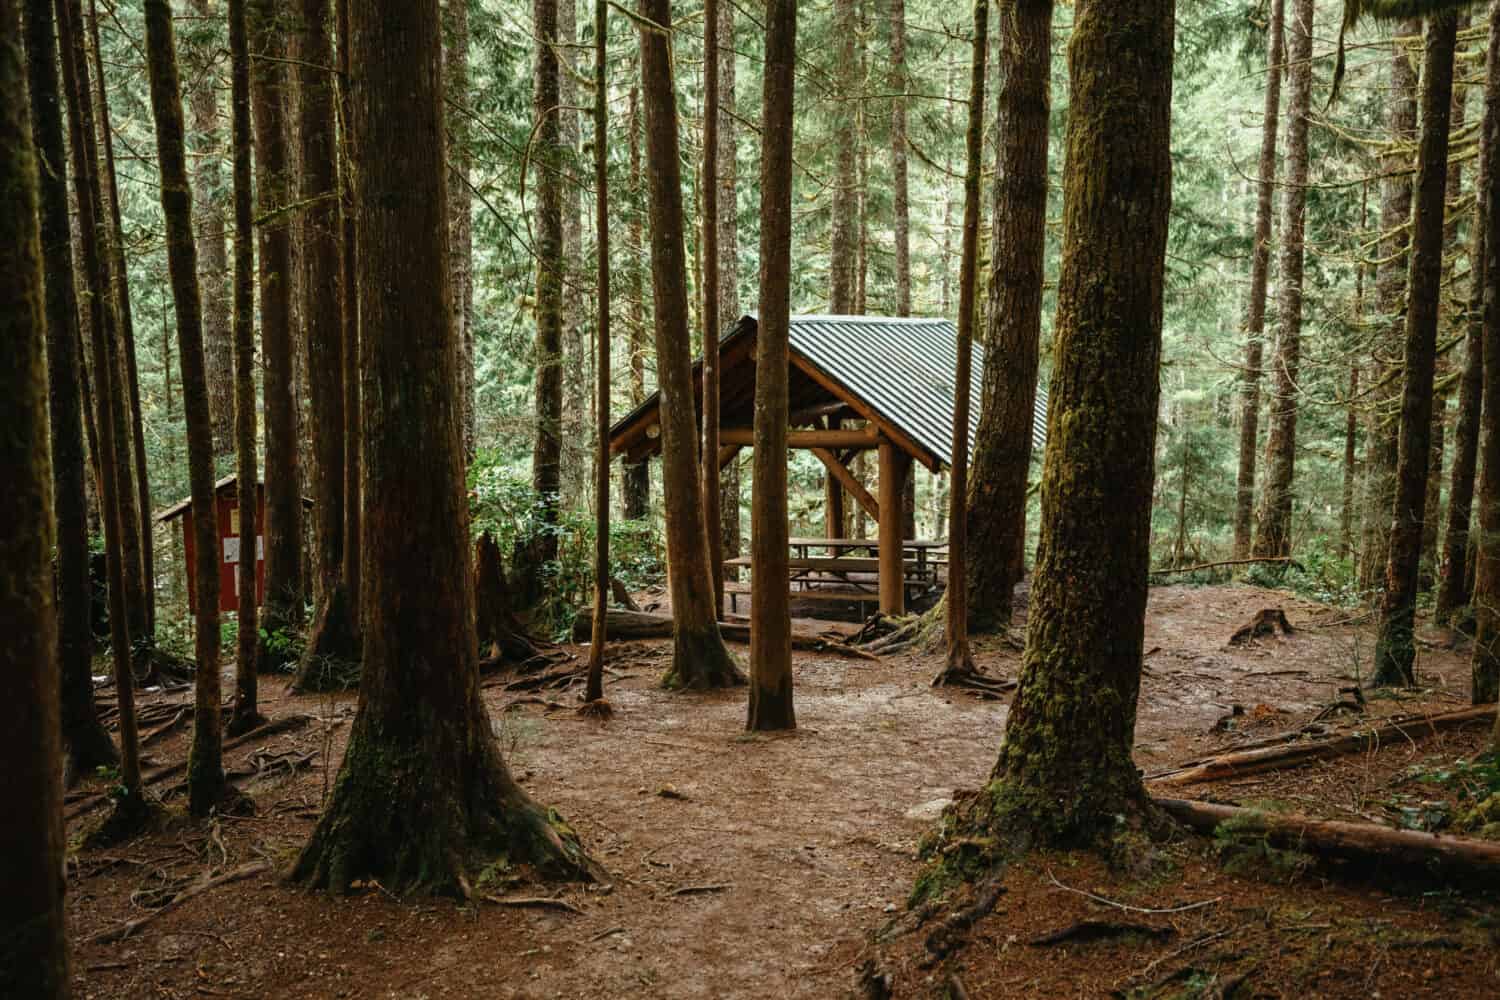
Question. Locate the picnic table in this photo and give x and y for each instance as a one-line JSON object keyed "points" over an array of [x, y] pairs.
{"points": [[841, 576]]}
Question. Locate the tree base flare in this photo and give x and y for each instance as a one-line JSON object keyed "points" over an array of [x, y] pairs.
{"points": [[393, 819], [596, 708], [129, 815], [331, 660], [701, 662]]}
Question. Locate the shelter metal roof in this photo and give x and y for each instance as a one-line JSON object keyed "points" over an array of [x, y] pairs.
{"points": [[900, 369]]}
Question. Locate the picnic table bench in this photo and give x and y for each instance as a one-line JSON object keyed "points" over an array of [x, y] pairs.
{"points": [[845, 578]]}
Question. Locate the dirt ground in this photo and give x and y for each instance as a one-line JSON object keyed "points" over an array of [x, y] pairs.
{"points": [[754, 867]]}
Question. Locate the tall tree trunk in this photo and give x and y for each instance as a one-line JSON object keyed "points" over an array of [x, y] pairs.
{"points": [[460, 219], [84, 739], [842, 222], [423, 784], [959, 663], [771, 705], [33, 934], [638, 476], [699, 658], [1390, 293], [1273, 533], [1260, 267], [353, 419], [205, 759], [594, 690], [729, 259], [247, 651], [900, 194], [1486, 664], [1082, 666], [1453, 588], [332, 636], [120, 287], [996, 519], [575, 351], [1395, 651], [546, 455], [1351, 442], [130, 806], [708, 475], [273, 187], [208, 199]]}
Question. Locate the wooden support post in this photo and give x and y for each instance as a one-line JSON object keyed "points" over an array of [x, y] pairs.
{"points": [[839, 473], [833, 496], [892, 578]]}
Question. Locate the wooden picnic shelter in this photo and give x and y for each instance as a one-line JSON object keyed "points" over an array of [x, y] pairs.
{"points": [[856, 384]]}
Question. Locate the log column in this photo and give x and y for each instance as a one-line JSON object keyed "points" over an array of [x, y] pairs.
{"points": [[893, 464]]}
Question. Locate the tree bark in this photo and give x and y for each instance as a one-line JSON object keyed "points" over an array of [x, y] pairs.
{"points": [[1485, 684], [638, 476], [205, 766], [708, 475], [349, 251], [959, 663], [900, 193], [842, 222], [771, 706], [1082, 665], [594, 690], [423, 785], [1273, 533], [33, 937], [208, 199], [546, 455], [460, 219], [699, 658], [333, 633], [1390, 293], [1395, 650], [269, 84], [107, 433], [84, 739], [729, 259], [246, 714], [996, 520], [1351, 443], [1260, 267], [129, 372]]}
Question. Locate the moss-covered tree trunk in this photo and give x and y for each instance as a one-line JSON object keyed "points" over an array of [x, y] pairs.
{"points": [[107, 433], [209, 202], [638, 476], [1390, 295], [84, 739], [729, 263], [1273, 531], [1260, 268], [33, 936], [349, 251], [771, 706], [205, 766], [269, 101], [1486, 663], [1395, 649], [996, 520], [246, 714], [900, 188], [423, 798], [460, 220], [708, 474], [333, 635], [546, 453], [1082, 666], [699, 658]]}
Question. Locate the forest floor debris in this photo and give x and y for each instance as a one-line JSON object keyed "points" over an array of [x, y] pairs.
{"points": [[809, 844]]}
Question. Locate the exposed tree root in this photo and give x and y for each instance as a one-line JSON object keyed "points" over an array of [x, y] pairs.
{"points": [[599, 709], [331, 660], [952, 933], [701, 662], [972, 678], [622, 596], [1265, 623], [131, 815], [241, 723], [196, 889], [87, 749]]}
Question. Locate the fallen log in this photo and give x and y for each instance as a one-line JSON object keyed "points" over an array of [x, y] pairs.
{"points": [[282, 725], [621, 624], [1283, 560], [1245, 762], [1346, 841]]}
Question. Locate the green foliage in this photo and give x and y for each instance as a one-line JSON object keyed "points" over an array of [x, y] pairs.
{"points": [[1319, 573], [284, 646]]}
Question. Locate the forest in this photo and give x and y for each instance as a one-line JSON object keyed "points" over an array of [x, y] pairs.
{"points": [[864, 498]]}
